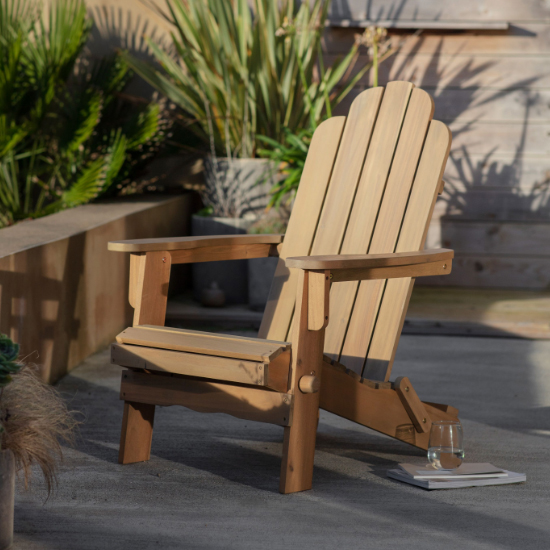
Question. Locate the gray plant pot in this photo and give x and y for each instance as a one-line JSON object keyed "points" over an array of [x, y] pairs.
{"points": [[260, 276], [231, 276], [7, 495], [238, 187]]}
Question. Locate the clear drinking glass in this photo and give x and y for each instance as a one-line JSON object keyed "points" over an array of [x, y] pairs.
{"points": [[446, 446]]}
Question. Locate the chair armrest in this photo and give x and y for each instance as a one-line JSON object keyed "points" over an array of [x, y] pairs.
{"points": [[185, 250], [348, 267], [186, 243]]}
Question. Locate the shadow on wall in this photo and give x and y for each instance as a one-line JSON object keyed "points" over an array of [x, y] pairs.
{"points": [[34, 291], [495, 207], [118, 28], [490, 185], [126, 29]]}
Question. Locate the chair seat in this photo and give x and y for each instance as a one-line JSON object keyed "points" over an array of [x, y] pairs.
{"points": [[223, 357]]}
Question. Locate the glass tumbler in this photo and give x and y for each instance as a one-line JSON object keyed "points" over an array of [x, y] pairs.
{"points": [[446, 446]]}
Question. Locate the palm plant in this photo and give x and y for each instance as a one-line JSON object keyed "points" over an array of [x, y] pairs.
{"points": [[67, 135], [236, 72]]}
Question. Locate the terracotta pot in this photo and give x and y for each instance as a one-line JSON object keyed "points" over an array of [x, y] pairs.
{"points": [[7, 495]]}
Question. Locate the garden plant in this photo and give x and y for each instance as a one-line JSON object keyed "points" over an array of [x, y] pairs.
{"points": [[67, 132]]}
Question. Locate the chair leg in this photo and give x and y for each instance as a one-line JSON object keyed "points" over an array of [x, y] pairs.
{"points": [[137, 432], [299, 445]]}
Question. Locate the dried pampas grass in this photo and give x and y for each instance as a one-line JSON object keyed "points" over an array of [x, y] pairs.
{"points": [[35, 420]]}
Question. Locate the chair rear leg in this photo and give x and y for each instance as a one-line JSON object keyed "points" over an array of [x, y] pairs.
{"points": [[137, 432], [299, 445]]}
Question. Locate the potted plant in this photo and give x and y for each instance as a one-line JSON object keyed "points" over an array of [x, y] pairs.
{"points": [[235, 72], [33, 421]]}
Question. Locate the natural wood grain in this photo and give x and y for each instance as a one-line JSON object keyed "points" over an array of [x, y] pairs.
{"points": [[422, 24], [309, 384], [349, 169], [137, 432], [367, 203], [378, 409], [390, 216], [188, 243], [135, 266], [362, 212], [242, 402], [191, 364], [343, 182], [151, 280], [207, 343], [318, 300], [434, 10], [491, 238], [442, 267], [412, 237], [368, 261], [151, 291], [499, 272], [414, 407], [486, 312], [299, 439], [445, 408], [503, 71], [525, 40], [223, 252], [302, 225]]}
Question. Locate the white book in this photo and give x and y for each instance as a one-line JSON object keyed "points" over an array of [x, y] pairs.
{"points": [[467, 470], [456, 483]]}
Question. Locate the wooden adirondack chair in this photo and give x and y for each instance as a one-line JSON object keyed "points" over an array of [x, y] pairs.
{"points": [[360, 220]]}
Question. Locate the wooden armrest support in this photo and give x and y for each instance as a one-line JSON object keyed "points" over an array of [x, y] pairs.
{"points": [[367, 261], [377, 266], [187, 243]]}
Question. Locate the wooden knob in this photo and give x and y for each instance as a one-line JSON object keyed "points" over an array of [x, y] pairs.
{"points": [[309, 384]]}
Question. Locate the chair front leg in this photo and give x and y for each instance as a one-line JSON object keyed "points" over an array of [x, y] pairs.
{"points": [[311, 318], [149, 282]]}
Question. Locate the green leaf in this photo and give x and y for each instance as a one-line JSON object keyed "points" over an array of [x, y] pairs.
{"points": [[81, 120], [87, 187], [143, 126], [115, 158]]}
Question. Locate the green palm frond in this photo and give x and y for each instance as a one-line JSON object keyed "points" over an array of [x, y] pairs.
{"points": [[110, 75], [143, 126], [10, 134], [115, 157], [86, 187], [80, 120], [67, 131]]}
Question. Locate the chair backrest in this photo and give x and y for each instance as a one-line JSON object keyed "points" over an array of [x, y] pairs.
{"points": [[369, 185]]}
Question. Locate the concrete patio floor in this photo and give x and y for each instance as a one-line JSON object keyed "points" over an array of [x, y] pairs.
{"points": [[212, 481]]}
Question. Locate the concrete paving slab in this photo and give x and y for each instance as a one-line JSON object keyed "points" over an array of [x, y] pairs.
{"points": [[212, 481]]}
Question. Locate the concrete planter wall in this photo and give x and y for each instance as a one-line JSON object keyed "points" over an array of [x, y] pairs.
{"points": [[7, 495], [238, 187], [63, 295]]}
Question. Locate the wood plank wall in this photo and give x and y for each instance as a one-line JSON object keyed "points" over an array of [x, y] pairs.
{"points": [[63, 295], [493, 89]]}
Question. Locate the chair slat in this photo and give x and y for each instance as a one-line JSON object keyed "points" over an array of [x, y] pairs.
{"points": [[366, 205], [346, 174], [302, 225], [392, 209], [412, 237], [250, 349]]}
